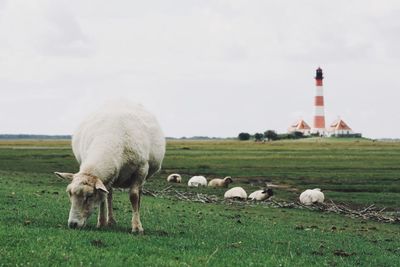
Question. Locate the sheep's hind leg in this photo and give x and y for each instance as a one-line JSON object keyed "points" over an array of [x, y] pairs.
{"points": [[135, 195]]}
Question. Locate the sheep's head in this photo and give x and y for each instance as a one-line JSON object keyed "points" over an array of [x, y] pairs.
{"points": [[268, 191], [228, 180], [85, 193], [176, 178]]}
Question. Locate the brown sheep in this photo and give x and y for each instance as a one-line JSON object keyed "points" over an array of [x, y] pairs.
{"points": [[220, 182]]}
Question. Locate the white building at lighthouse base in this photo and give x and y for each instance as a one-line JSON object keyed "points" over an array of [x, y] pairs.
{"points": [[320, 131], [300, 126], [340, 128]]}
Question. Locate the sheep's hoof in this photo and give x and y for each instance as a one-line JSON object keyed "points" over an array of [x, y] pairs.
{"points": [[101, 224], [111, 222], [138, 231]]}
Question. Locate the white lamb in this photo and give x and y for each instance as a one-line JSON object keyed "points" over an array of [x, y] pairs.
{"points": [[220, 182], [261, 195], [236, 193], [174, 178], [197, 181], [311, 196], [119, 146]]}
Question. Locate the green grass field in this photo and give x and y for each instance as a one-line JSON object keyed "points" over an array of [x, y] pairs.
{"points": [[358, 173], [34, 208]]}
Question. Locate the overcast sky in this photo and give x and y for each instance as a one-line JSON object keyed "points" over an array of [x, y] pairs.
{"points": [[212, 68]]}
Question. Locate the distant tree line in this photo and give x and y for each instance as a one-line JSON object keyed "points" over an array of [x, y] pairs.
{"points": [[198, 138], [270, 135], [33, 136]]}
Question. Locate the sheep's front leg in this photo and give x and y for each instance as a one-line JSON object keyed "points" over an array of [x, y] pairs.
{"points": [[111, 220], [102, 219], [134, 196]]}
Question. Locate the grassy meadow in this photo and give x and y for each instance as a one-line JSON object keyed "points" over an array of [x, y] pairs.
{"points": [[34, 208]]}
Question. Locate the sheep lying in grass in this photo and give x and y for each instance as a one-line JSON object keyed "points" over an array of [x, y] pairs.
{"points": [[311, 196], [197, 181], [220, 182], [121, 146], [174, 178], [236, 193], [261, 195]]}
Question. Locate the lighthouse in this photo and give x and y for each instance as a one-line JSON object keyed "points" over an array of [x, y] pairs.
{"points": [[319, 116]]}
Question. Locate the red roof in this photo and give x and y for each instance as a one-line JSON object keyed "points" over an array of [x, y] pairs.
{"points": [[340, 125], [301, 125]]}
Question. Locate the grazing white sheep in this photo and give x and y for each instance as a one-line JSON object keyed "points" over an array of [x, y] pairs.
{"points": [[236, 193], [220, 182], [197, 181], [118, 146], [261, 195], [311, 196], [174, 178]]}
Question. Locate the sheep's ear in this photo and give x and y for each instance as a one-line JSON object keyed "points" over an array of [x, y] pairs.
{"points": [[100, 186], [65, 175]]}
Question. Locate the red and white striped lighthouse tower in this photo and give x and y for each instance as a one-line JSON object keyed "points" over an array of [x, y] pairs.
{"points": [[319, 117]]}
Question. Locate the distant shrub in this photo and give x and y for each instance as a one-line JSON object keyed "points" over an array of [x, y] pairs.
{"points": [[271, 135], [297, 135], [283, 136], [290, 136], [258, 137], [355, 135], [244, 136]]}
